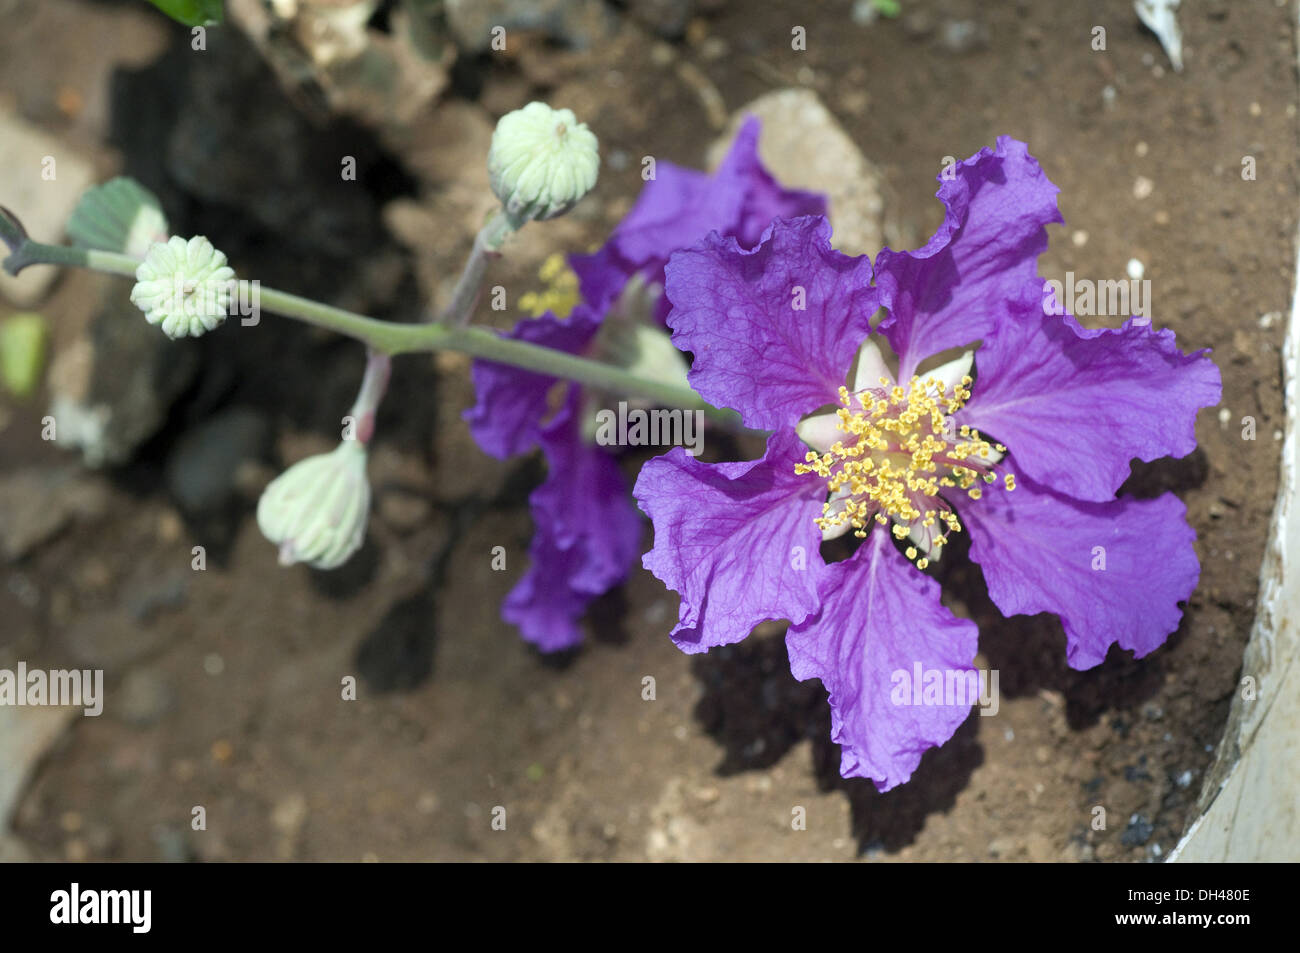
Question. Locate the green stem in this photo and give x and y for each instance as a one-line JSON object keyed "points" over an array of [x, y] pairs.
{"points": [[388, 338], [487, 245]]}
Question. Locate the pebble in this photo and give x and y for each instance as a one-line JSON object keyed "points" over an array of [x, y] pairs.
{"points": [[1138, 832], [201, 469]]}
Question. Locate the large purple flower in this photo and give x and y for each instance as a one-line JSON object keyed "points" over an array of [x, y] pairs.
{"points": [[587, 531], [1023, 444]]}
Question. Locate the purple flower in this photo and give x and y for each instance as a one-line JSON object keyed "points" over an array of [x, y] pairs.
{"points": [[678, 207], [587, 530], [1023, 444]]}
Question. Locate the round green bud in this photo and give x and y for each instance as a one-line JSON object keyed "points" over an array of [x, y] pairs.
{"points": [[316, 511], [542, 161], [185, 286]]}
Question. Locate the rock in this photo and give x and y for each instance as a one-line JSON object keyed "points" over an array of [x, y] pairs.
{"points": [[112, 386], [150, 593], [203, 466], [36, 503], [962, 36], [26, 733], [575, 23], [668, 18], [44, 178], [111, 640], [1138, 832], [326, 56], [804, 146]]}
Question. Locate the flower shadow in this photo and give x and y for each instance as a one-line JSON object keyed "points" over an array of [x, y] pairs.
{"points": [[755, 709]]}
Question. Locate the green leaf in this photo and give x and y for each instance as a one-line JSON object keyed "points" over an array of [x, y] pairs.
{"points": [[887, 8], [192, 12], [121, 215], [22, 352]]}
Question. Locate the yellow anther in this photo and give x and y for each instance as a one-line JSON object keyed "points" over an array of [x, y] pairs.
{"points": [[922, 563], [911, 552], [560, 296], [899, 453]]}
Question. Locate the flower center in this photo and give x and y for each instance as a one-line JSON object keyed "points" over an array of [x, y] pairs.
{"points": [[900, 453]]}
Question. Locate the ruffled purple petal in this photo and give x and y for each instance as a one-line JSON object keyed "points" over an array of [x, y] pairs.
{"points": [[763, 199], [507, 417], [738, 541], [601, 277], [587, 535], [1114, 572], [954, 290], [1076, 406], [584, 505], [680, 206], [739, 313], [542, 604], [880, 619]]}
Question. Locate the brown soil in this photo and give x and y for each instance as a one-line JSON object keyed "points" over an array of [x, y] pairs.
{"points": [[456, 715]]}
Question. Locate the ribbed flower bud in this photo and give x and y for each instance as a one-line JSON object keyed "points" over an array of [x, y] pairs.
{"points": [[542, 161], [185, 286], [316, 511]]}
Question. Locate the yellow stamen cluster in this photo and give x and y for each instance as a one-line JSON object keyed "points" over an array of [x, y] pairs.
{"points": [[903, 454], [560, 296]]}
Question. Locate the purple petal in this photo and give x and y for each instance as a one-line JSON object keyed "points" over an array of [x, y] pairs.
{"points": [[881, 619], [1076, 406], [586, 539], [737, 540], [512, 402], [679, 207], [954, 290], [1042, 552], [543, 605], [584, 505], [601, 277], [763, 199], [738, 313]]}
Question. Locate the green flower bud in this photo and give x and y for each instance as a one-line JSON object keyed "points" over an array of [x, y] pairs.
{"points": [[542, 161], [183, 285], [316, 511]]}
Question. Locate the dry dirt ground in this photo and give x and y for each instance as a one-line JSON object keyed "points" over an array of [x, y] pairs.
{"points": [[224, 685]]}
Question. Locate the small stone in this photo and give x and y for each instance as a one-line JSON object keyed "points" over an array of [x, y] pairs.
{"points": [[1142, 187], [37, 503], [44, 180], [962, 36], [202, 468], [1138, 832]]}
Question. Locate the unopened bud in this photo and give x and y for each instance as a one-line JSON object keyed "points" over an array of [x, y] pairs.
{"points": [[542, 161], [316, 511]]}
